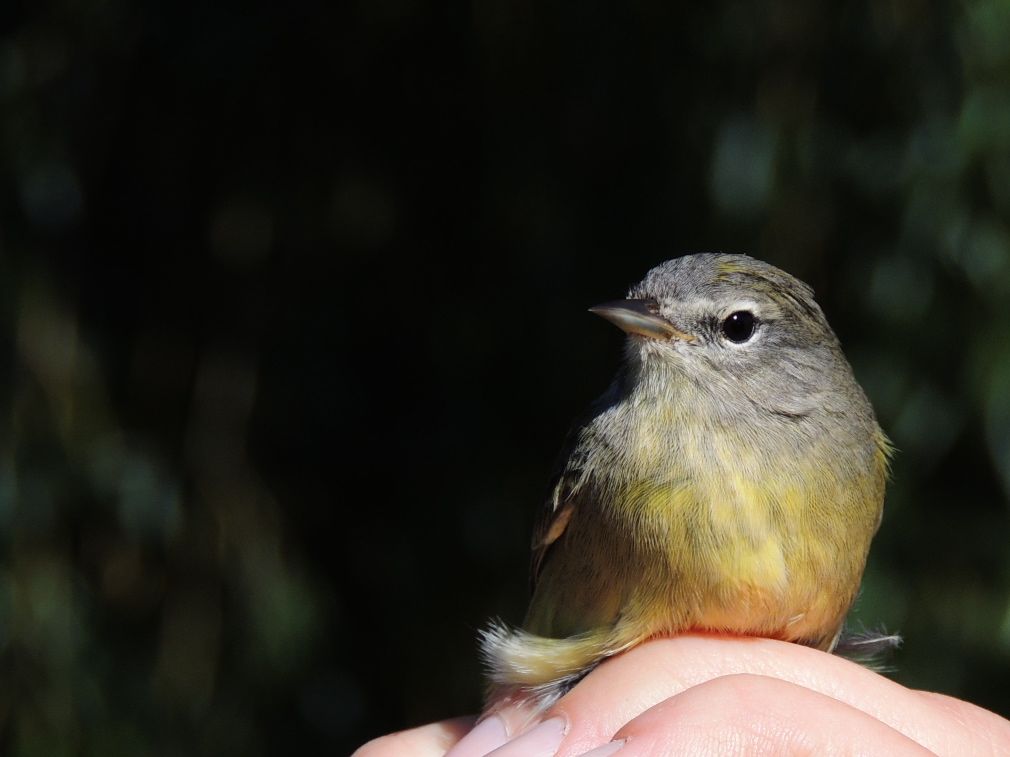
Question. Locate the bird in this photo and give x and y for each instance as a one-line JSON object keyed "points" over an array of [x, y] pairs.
{"points": [[730, 480]]}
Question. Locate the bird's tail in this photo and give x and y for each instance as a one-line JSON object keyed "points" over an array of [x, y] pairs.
{"points": [[538, 670]]}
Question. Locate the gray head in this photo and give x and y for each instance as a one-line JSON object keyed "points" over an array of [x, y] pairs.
{"points": [[739, 329]]}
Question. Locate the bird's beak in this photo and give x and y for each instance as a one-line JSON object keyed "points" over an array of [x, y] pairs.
{"points": [[640, 317]]}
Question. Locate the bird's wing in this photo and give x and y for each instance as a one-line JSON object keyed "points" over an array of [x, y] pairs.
{"points": [[554, 519], [569, 484]]}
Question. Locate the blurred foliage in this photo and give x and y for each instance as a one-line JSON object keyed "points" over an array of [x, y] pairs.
{"points": [[293, 324]]}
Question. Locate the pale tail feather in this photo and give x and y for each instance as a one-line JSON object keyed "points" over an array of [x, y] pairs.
{"points": [[537, 670], [871, 649]]}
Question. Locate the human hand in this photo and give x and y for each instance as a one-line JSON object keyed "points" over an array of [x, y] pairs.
{"points": [[699, 694]]}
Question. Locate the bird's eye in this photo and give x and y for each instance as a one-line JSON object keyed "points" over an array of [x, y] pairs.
{"points": [[739, 326]]}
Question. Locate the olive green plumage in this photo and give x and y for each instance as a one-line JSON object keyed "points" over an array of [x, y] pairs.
{"points": [[730, 479]]}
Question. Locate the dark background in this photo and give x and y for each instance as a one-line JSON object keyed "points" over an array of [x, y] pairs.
{"points": [[292, 324]]}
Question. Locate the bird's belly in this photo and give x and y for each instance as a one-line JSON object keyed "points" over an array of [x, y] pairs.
{"points": [[753, 592], [795, 613], [738, 561]]}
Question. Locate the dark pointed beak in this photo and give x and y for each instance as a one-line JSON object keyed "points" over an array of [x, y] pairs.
{"points": [[640, 317]]}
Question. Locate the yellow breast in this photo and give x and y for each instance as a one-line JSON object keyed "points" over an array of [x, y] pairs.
{"points": [[743, 545]]}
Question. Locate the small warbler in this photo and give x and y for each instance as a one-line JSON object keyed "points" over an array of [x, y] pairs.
{"points": [[730, 479]]}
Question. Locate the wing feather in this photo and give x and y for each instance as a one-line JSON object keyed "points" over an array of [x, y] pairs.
{"points": [[568, 480]]}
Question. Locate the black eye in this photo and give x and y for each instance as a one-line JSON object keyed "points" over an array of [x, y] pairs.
{"points": [[739, 326]]}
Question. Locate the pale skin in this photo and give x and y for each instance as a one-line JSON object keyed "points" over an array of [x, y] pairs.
{"points": [[712, 695]]}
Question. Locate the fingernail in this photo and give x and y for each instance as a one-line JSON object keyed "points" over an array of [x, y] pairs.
{"points": [[606, 750], [542, 741], [486, 736]]}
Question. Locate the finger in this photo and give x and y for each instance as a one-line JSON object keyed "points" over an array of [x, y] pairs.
{"points": [[489, 734], [430, 740], [757, 715], [627, 685], [526, 736]]}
